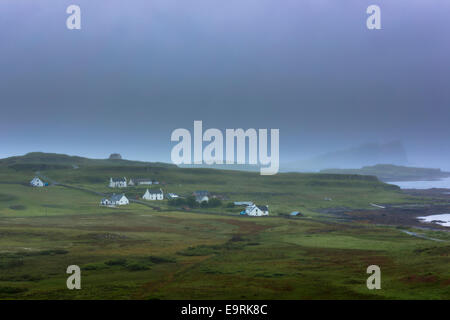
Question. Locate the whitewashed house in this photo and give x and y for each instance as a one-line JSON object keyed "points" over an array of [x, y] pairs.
{"points": [[36, 182], [153, 194], [257, 210], [115, 200], [119, 199], [201, 196], [118, 182]]}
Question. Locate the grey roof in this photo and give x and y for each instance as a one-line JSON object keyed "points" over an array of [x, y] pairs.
{"points": [[201, 193], [154, 191], [116, 197], [263, 208]]}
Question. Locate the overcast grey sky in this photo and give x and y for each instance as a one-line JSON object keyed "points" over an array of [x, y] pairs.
{"points": [[139, 69]]}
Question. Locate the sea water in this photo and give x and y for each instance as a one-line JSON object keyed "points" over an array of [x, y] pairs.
{"points": [[441, 184], [445, 218]]}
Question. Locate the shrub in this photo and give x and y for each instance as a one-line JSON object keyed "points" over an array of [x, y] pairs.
{"points": [[214, 203], [236, 237], [53, 252], [201, 250], [116, 262], [156, 260], [18, 207], [137, 266], [94, 266]]}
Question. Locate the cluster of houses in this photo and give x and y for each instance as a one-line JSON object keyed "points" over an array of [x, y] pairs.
{"points": [[121, 199], [251, 209]]}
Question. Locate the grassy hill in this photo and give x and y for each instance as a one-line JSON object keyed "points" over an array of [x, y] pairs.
{"points": [[45, 161], [388, 172], [143, 252], [284, 192]]}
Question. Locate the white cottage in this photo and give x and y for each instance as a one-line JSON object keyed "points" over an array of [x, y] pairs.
{"points": [[257, 210], [36, 182], [119, 199], [153, 194], [118, 182]]}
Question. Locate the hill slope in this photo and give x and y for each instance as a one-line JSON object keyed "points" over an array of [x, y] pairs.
{"points": [[284, 192], [46, 161]]}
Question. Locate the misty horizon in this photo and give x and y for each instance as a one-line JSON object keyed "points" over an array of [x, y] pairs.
{"points": [[134, 73]]}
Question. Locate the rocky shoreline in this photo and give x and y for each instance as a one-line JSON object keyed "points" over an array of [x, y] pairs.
{"points": [[405, 215]]}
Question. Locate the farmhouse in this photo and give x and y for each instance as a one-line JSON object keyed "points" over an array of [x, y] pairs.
{"points": [[36, 182], [256, 210], [115, 200], [118, 182], [201, 196], [153, 194]]}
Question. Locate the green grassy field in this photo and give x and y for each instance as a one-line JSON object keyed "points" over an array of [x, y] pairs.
{"points": [[137, 252]]}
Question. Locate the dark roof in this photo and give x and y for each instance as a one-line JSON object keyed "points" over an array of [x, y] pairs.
{"points": [[118, 179], [155, 191], [263, 208], [201, 193]]}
